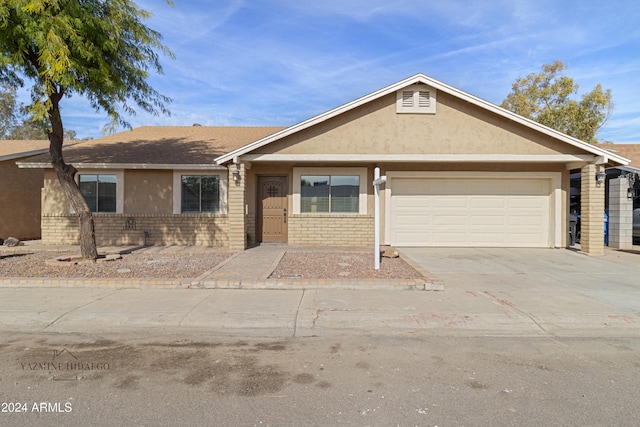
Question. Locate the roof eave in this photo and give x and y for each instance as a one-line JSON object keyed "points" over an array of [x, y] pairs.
{"points": [[23, 154], [106, 166]]}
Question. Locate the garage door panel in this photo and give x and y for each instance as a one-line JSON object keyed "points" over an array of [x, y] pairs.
{"points": [[487, 220], [487, 237], [487, 202], [526, 203], [449, 202], [413, 202], [470, 212], [527, 239], [519, 221], [408, 220], [457, 220]]}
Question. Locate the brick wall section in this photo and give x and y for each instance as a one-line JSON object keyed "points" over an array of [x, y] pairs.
{"points": [[236, 208], [331, 230], [620, 214], [591, 212], [129, 229], [250, 229]]}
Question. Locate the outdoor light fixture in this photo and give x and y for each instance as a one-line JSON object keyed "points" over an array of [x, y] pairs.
{"points": [[600, 177], [236, 173]]}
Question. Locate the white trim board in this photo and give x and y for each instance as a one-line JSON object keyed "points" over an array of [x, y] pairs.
{"points": [[434, 158]]}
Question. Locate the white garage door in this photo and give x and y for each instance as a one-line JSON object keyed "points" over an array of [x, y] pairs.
{"points": [[470, 212]]}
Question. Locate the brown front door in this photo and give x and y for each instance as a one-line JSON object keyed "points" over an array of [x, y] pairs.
{"points": [[273, 206]]}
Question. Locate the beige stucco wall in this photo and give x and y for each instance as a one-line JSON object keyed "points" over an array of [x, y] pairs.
{"points": [[20, 201], [54, 201], [148, 191], [457, 128]]}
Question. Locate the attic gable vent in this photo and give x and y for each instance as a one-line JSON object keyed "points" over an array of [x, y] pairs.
{"points": [[418, 99], [407, 99], [423, 99]]}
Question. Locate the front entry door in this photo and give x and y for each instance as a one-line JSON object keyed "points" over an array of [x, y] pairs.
{"points": [[273, 204]]}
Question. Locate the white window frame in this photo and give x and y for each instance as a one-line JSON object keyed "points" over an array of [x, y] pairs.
{"points": [[359, 171], [177, 190], [119, 187], [415, 106]]}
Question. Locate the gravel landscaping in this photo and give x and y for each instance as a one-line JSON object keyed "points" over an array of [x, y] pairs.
{"points": [[137, 265], [186, 265], [330, 265]]}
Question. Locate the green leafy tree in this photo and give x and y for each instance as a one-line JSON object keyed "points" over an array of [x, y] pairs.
{"points": [[14, 120], [99, 49], [8, 117], [549, 99]]}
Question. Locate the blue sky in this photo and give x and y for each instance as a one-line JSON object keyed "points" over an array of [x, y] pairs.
{"points": [[279, 62]]}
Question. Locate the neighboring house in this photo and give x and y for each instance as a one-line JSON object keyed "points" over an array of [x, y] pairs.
{"points": [[631, 152], [460, 172], [150, 185], [20, 191]]}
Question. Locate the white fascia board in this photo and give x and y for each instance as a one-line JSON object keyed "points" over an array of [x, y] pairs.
{"points": [[421, 78], [30, 165], [391, 158], [23, 154]]}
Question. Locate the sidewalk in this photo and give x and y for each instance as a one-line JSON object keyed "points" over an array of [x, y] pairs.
{"points": [[500, 292]]}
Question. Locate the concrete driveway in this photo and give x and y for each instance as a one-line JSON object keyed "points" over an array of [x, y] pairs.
{"points": [[555, 282]]}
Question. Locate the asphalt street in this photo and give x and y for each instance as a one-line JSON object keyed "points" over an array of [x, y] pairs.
{"points": [[516, 338]]}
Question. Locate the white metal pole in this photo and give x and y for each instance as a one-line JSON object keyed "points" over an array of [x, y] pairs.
{"points": [[376, 233]]}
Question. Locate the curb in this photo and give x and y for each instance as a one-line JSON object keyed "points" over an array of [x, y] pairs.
{"points": [[347, 284], [40, 282], [275, 284]]}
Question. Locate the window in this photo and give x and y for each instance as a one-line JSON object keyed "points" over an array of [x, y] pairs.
{"points": [[200, 193], [416, 99], [329, 193], [99, 190], [329, 190]]}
